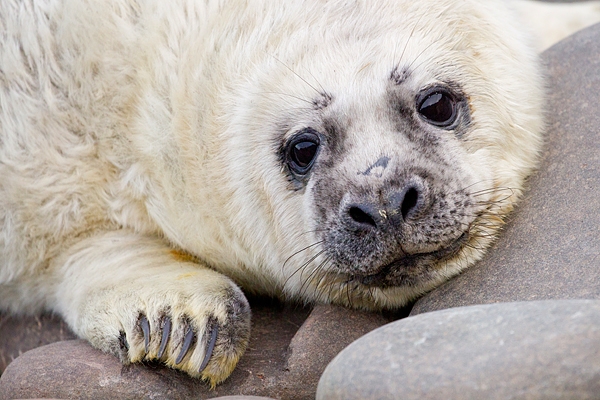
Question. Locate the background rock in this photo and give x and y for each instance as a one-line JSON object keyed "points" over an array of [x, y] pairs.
{"points": [[326, 332], [528, 350], [242, 398], [550, 248], [289, 348], [20, 334]]}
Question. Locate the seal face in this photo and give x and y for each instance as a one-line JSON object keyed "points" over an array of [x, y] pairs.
{"points": [[386, 226], [390, 223], [405, 168]]}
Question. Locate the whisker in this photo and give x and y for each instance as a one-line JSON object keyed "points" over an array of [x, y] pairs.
{"points": [[410, 66], [471, 246], [382, 292], [323, 91], [293, 96], [323, 276], [412, 32], [331, 287], [348, 294], [313, 231], [295, 73], [301, 250], [318, 289], [370, 292], [310, 277], [493, 190], [476, 183], [302, 267]]}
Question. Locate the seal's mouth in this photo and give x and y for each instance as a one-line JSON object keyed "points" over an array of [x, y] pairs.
{"points": [[410, 261]]}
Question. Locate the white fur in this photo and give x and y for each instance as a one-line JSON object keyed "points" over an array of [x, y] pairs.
{"points": [[555, 21], [132, 128]]}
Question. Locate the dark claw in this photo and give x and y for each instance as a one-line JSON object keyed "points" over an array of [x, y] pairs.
{"points": [[187, 342], [165, 337], [123, 342], [210, 347], [146, 329]]}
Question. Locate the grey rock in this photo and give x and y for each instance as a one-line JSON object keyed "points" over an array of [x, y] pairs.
{"points": [[528, 350], [550, 248], [288, 350], [20, 334], [326, 332], [242, 398], [73, 369]]}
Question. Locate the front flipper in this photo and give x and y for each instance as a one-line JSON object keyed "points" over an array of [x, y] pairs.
{"points": [[133, 297]]}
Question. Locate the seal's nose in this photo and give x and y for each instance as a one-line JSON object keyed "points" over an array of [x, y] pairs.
{"points": [[408, 201], [398, 207], [363, 216]]}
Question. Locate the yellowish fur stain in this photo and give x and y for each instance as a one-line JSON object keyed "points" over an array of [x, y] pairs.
{"points": [[182, 256]]}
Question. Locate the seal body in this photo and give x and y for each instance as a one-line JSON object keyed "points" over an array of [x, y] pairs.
{"points": [[153, 153]]}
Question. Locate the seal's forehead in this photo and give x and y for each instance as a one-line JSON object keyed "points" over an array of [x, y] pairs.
{"points": [[451, 45], [347, 73]]}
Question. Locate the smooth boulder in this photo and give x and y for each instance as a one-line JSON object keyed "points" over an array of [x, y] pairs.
{"points": [[524, 350]]}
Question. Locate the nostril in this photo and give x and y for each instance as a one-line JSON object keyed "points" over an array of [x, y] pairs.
{"points": [[410, 201], [361, 216]]}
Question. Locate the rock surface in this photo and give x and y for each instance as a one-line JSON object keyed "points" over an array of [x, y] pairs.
{"points": [[326, 332], [550, 248], [20, 334], [242, 398], [528, 350], [287, 353]]}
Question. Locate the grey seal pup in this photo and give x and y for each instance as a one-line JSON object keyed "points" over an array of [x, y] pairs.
{"points": [[157, 156]]}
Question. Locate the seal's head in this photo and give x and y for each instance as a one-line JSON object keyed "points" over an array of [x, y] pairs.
{"points": [[356, 152], [412, 151]]}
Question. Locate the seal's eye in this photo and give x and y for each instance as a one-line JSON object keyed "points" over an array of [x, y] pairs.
{"points": [[437, 107], [302, 150]]}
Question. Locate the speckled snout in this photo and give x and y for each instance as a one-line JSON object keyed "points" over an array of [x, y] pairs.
{"points": [[388, 208]]}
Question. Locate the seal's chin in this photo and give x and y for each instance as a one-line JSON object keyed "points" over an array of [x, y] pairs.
{"points": [[407, 269]]}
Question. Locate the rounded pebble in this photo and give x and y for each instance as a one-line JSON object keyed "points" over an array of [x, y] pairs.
{"points": [[533, 350]]}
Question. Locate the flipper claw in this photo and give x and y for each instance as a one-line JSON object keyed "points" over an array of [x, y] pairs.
{"points": [[187, 343], [166, 333], [210, 347], [145, 325]]}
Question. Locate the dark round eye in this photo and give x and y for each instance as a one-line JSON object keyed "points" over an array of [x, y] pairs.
{"points": [[438, 108], [302, 151]]}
